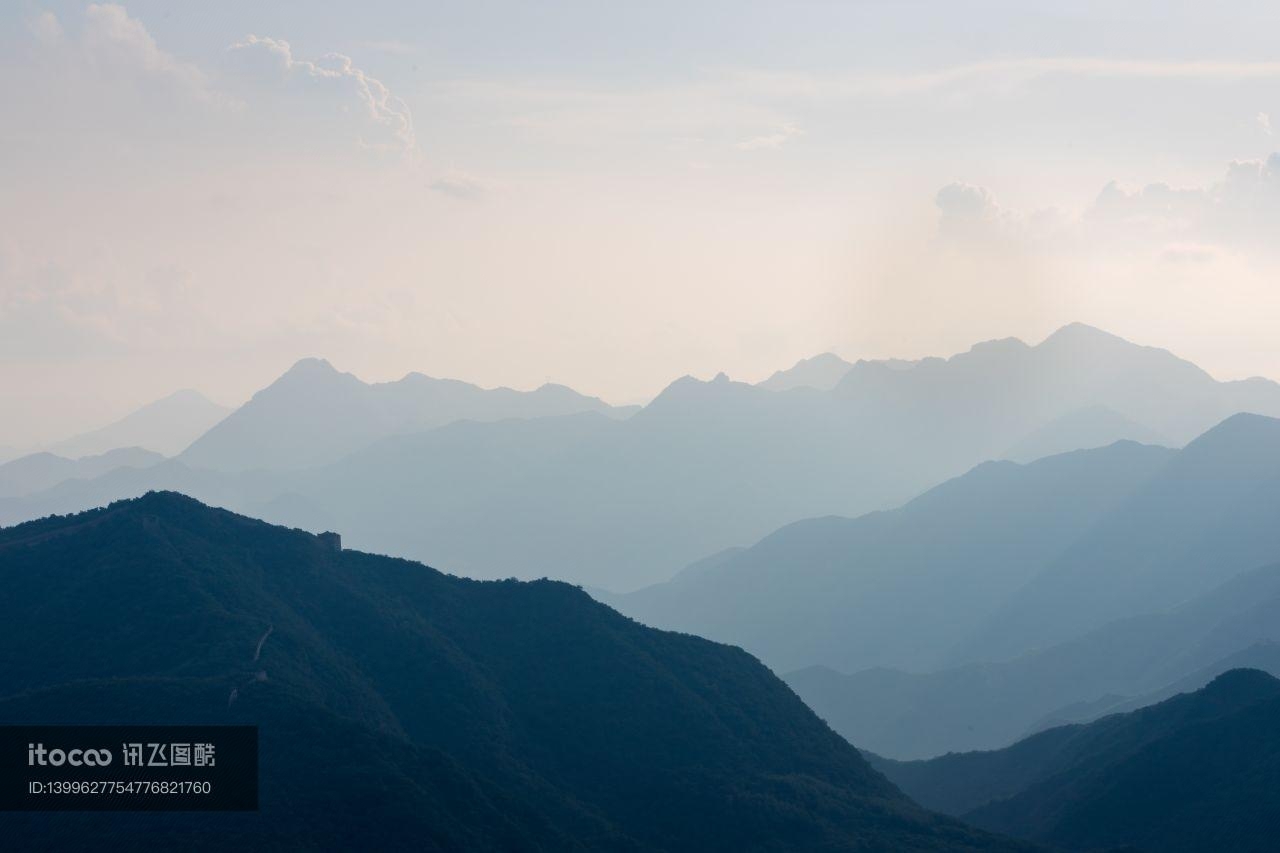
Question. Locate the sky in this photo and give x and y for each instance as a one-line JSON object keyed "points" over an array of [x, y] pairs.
{"points": [[612, 195]]}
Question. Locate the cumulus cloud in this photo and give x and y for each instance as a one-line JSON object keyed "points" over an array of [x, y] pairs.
{"points": [[116, 43], [971, 212], [1179, 224], [960, 201], [388, 122], [107, 71], [103, 61], [1242, 208], [1264, 123]]}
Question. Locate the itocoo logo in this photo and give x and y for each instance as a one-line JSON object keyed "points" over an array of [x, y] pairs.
{"points": [[37, 754]]}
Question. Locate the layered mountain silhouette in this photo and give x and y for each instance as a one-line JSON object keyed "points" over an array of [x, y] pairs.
{"points": [[165, 426], [1263, 655], [707, 465], [403, 708], [996, 564], [1000, 392], [1094, 426], [39, 471], [1200, 771], [899, 588], [1124, 665], [1209, 513], [314, 414]]}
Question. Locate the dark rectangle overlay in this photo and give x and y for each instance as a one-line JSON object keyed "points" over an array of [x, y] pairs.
{"points": [[128, 768]]}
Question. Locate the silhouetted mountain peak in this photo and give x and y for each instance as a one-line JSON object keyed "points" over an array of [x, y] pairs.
{"points": [[315, 414], [309, 376], [418, 376], [556, 391], [311, 364], [999, 347], [166, 426], [158, 501], [1241, 685], [1242, 426], [823, 372], [1082, 334], [311, 368], [689, 392], [1081, 341], [824, 359], [1244, 438]]}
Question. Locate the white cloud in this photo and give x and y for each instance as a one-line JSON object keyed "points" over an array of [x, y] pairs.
{"points": [[1242, 208], [389, 120], [964, 201], [1181, 224], [971, 212], [1264, 123], [117, 44], [108, 74]]}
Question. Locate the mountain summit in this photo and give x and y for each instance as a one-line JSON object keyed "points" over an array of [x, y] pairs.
{"points": [[314, 414]]}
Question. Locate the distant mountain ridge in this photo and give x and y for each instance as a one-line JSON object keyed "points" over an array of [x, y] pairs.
{"points": [[1208, 514], [707, 465], [314, 415], [1122, 666], [999, 392], [401, 708], [900, 587], [1197, 772], [165, 426], [995, 564], [39, 471], [1092, 426], [821, 372]]}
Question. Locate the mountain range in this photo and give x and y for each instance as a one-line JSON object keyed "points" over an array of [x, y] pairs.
{"points": [[402, 708], [821, 372], [995, 564], [1123, 665], [1196, 772], [1207, 514], [165, 426], [899, 588], [623, 503], [39, 471], [314, 415]]}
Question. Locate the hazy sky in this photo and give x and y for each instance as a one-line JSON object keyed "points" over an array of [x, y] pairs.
{"points": [[612, 195]]}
